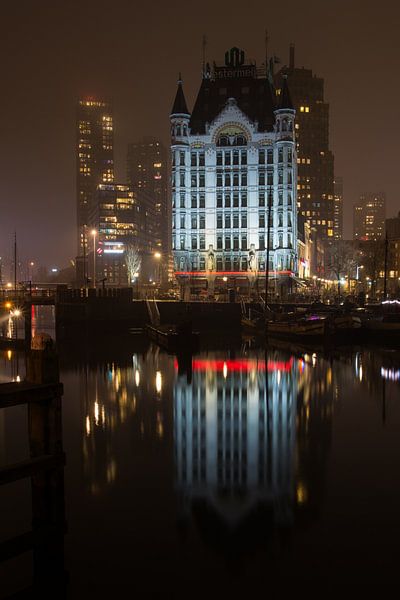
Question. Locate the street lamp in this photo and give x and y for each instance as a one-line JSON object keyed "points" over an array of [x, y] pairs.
{"points": [[94, 233]]}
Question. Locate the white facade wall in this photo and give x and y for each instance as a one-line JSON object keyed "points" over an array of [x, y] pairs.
{"points": [[208, 192]]}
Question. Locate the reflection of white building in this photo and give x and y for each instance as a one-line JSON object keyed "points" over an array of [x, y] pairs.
{"points": [[235, 437], [234, 149]]}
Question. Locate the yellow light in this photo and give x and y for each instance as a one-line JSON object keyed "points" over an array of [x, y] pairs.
{"points": [[9, 354], [96, 412], [157, 255], [8, 305], [137, 378], [17, 312], [225, 370], [9, 285], [87, 425], [301, 493], [158, 382], [93, 232], [225, 278]]}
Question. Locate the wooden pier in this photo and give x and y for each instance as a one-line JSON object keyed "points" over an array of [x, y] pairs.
{"points": [[42, 395]]}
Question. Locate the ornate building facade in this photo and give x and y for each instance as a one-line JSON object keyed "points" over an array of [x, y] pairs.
{"points": [[231, 156]]}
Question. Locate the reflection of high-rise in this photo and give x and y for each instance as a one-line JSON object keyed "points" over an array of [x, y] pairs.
{"points": [[235, 436], [315, 406], [121, 399]]}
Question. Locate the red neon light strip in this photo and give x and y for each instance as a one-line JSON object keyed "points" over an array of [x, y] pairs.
{"points": [[223, 273]]}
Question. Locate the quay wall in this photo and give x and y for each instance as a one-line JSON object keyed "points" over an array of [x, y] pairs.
{"points": [[116, 308]]}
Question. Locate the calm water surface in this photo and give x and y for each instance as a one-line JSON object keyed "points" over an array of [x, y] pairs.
{"points": [[242, 469]]}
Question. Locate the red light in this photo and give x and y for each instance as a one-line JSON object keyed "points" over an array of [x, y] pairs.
{"points": [[232, 273]]}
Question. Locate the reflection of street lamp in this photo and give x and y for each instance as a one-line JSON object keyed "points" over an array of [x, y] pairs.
{"points": [[157, 256], [136, 278], [94, 233], [16, 313]]}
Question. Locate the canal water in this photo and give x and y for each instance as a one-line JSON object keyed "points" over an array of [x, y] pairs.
{"points": [[242, 469]]}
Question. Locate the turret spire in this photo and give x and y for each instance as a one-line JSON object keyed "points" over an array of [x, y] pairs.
{"points": [[285, 100], [180, 106]]}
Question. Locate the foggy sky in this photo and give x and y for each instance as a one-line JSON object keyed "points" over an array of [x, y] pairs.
{"points": [[53, 52]]}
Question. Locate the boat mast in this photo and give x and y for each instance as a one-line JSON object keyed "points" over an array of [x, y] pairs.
{"points": [[385, 267], [269, 206], [15, 264]]}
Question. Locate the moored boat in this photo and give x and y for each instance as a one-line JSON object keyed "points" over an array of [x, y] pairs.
{"points": [[306, 327], [174, 338]]}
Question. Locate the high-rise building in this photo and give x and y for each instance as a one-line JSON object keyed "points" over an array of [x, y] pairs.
{"points": [[147, 174], [315, 161], [338, 208], [95, 159], [113, 218], [232, 153], [369, 217]]}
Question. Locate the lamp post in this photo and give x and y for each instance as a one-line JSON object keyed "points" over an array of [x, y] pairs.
{"points": [[94, 233]]}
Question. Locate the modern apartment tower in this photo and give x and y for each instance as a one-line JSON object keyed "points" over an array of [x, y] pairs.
{"points": [[232, 153], [369, 217], [315, 161], [95, 159]]}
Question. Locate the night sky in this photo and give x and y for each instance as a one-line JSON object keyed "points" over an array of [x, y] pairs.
{"points": [[52, 52]]}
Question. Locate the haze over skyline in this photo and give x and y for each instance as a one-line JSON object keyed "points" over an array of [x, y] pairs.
{"points": [[53, 53]]}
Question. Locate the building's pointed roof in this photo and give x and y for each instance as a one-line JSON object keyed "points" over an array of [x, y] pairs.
{"points": [[285, 99], [180, 106]]}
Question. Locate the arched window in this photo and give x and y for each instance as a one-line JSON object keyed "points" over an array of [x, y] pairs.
{"points": [[284, 125], [223, 140], [240, 140]]}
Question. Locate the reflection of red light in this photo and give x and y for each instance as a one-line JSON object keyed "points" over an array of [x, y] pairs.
{"points": [[241, 365]]}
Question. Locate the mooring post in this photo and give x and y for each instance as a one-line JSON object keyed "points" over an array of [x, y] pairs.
{"points": [[28, 324], [45, 438]]}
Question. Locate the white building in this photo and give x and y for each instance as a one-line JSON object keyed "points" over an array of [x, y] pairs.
{"points": [[229, 156]]}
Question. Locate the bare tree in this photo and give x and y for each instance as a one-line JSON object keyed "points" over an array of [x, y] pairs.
{"points": [[342, 260], [133, 261], [373, 257]]}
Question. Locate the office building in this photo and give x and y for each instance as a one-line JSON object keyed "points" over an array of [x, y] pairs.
{"points": [[232, 152], [147, 175], [392, 226], [369, 217], [113, 220], [315, 161]]}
